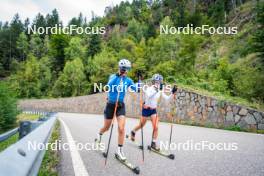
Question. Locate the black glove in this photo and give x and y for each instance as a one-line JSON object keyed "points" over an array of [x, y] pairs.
{"points": [[174, 89], [139, 75], [161, 86]]}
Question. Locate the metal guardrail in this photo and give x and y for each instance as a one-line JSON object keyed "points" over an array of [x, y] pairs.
{"points": [[12, 132], [8, 134], [20, 159]]}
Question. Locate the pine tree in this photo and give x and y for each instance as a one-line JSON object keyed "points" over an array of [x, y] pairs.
{"points": [[75, 49], [23, 46], [36, 46], [8, 107], [94, 45], [259, 33], [58, 43], [72, 81]]}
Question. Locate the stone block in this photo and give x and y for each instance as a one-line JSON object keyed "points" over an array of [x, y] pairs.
{"points": [[237, 118], [243, 124], [229, 116], [210, 109], [250, 119], [257, 116], [243, 111], [228, 108], [183, 94], [208, 101], [212, 116], [261, 126], [187, 96], [214, 102], [235, 109]]}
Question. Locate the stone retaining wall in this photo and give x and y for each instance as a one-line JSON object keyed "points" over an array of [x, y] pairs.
{"points": [[187, 107], [192, 108]]}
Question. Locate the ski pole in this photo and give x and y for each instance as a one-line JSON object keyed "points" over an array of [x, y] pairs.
{"points": [[112, 123], [142, 131], [174, 98]]}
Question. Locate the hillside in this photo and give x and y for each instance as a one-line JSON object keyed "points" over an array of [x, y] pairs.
{"points": [[231, 66]]}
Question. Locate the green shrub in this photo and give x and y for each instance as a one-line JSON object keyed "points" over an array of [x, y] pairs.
{"points": [[8, 107]]}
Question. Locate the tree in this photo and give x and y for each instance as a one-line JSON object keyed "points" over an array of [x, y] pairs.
{"points": [[136, 29], [26, 81], [38, 22], [5, 48], [258, 44], [9, 36], [77, 21], [23, 46], [103, 65], [53, 18], [8, 107], [36, 46], [114, 41], [75, 49], [94, 45], [72, 81], [58, 43], [45, 76], [217, 12]]}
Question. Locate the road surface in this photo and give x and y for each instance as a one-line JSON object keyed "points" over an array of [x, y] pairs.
{"points": [[247, 160]]}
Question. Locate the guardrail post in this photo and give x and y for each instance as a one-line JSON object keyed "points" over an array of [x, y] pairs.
{"points": [[24, 128]]}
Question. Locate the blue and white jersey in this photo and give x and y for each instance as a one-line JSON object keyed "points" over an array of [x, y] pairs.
{"points": [[115, 84]]}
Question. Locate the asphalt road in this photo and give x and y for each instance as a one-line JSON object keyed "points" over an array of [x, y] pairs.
{"points": [[247, 160]]}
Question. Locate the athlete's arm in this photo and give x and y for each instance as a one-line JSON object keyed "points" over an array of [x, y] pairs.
{"points": [[112, 80], [164, 96], [134, 86], [151, 91]]}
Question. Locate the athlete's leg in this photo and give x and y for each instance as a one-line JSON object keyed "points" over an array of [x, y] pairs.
{"points": [[107, 124], [155, 125], [142, 123], [121, 120]]}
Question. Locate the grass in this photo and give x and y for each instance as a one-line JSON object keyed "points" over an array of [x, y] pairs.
{"points": [[13, 139], [222, 97], [23, 116], [211, 125], [234, 128], [51, 157]]}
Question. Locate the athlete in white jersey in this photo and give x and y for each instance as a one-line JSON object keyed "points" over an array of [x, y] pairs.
{"points": [[151, 98]]}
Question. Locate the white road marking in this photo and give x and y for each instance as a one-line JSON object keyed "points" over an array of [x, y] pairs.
{"points": [[78, 166]]}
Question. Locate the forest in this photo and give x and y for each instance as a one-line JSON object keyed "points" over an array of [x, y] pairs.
{"points": [[49, 65]]}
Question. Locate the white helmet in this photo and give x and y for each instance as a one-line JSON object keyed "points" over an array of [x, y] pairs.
{"points": [[157, 77], [124, 64]]}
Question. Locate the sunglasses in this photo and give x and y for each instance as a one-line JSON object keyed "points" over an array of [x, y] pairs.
{"points": [[124, 69]]}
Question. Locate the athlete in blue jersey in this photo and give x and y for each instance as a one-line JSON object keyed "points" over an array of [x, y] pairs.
{"points": [[118, 82]]}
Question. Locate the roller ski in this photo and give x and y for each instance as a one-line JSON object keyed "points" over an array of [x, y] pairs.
{"points": [[99, 145], [119, 155], [131, 138], [154, 148]]}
